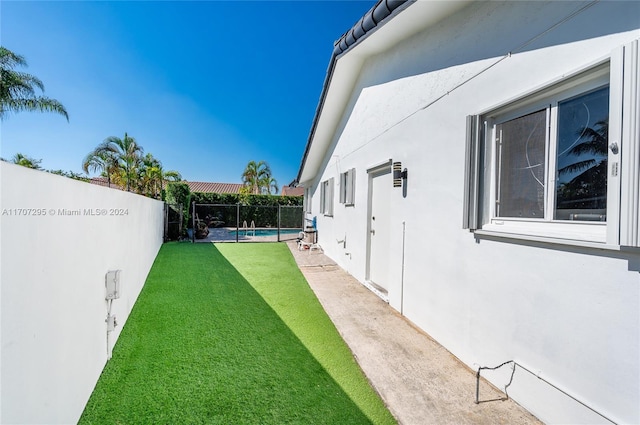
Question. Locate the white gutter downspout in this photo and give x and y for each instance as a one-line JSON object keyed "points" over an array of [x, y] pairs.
{"points": [[404, 228]]}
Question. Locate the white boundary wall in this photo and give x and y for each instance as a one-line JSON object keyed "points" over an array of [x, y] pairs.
{"points": [[52, 293]]}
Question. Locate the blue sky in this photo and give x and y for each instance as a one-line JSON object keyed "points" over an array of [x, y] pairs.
{"points": [[204, 86]]}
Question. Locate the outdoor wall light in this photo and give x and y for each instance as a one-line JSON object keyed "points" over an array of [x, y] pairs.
{"points": [[400, 177], [397, 174]]}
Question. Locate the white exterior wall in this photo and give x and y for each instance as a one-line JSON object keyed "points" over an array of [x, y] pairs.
{"points": [[570, 314], [53, 267]]}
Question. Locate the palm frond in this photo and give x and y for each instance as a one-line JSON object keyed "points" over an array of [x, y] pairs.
{"points": [[577, 166], [8, 59], [593, 147], [173, 176], [18, 89], [35, 104], [26, 161]]}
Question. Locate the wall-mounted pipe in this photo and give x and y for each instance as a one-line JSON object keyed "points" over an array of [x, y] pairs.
{"points": [[112, 292], [404, 228], [111, 324]]}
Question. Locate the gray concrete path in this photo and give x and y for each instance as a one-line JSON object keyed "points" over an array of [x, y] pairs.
{"points": [[420, 381]]}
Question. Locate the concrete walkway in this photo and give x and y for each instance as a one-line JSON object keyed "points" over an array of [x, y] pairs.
{"points": [[420, 381]]}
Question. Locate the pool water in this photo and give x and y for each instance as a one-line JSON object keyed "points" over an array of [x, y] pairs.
{"points": [[264, 232]]}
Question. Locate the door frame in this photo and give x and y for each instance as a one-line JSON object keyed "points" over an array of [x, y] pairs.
{"points": [[374, 171]]}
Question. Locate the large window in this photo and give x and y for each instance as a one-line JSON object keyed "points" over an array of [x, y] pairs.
{"points": [[326, 197], [347, 187], [572, 184], [560, 162]]}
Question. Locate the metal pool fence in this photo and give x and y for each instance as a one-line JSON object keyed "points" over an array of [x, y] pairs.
{"points": [[245, 223], [173, 222]]}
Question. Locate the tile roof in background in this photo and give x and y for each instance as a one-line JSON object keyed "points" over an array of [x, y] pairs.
{"points": [[210, 187], [207, 187], [102, 181], [292, 191], [203, 187]]}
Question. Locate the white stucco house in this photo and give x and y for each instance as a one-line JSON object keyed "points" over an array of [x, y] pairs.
{"points": [[514, 233]]}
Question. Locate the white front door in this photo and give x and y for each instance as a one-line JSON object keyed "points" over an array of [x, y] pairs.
{"points": [[380, 189]]}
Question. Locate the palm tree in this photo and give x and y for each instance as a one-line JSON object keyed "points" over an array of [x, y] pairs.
{"points": [[148, 175], [270, 183], [17, 89], [257, 178], [103, 160], [250, 177], [26, 161], [121, 162], [152, 176], [170, 176], [128, 153]]}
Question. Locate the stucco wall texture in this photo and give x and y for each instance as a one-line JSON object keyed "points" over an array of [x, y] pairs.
{"points": [[569, 313], [59, 238]]}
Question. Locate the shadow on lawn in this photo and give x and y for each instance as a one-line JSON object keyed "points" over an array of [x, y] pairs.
{"points": [[202, 346]]}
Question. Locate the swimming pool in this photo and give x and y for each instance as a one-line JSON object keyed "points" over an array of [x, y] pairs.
{"points": [[264, 232]]}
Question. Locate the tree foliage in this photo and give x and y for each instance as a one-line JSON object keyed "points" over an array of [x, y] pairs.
{"points": [[151, 176], [178, 196], [255, 200], [123, 162], [257, 179], [588, 189], [69, 174], [262, 209], [102, 160], [18, 89], [129, 157], [26, 161]]}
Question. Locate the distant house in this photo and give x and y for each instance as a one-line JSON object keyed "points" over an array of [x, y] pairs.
{"points": [[209, 187], [201, 187], [292, 191], [102, 181], [477, 165]]}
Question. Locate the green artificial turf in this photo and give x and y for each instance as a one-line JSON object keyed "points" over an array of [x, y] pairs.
{"points": [[230, 334]]}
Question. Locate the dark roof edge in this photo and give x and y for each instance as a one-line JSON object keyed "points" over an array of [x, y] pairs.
{"points": [[379, 14], [367, 24]]}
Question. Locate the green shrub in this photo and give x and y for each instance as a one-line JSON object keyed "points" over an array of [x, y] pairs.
{"points": [[178, 196], [221, 209], [234, 198]]}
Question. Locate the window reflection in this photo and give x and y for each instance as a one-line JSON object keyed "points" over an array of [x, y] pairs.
{"points": [[581, 177]]}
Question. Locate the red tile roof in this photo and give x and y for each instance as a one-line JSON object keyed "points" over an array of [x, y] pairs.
{"points": [[203, 187], [292, 191], [207, 187], [102, 181]]}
